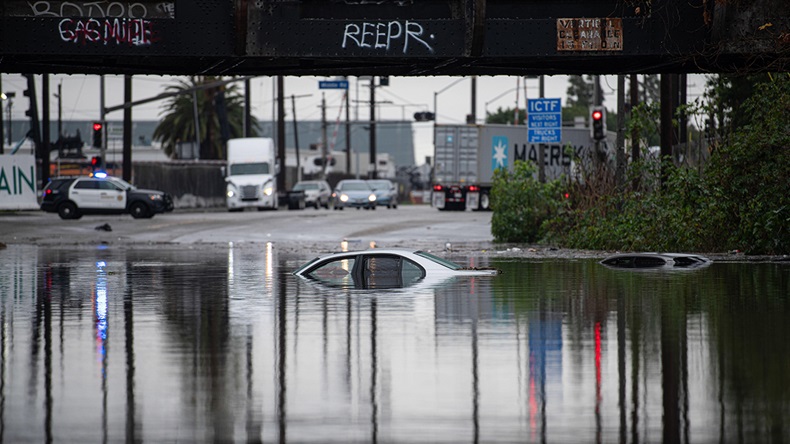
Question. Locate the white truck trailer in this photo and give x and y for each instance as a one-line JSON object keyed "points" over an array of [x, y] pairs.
{"points": [[251, 174], [466, 156]]}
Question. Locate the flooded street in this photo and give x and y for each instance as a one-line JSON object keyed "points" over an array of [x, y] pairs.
{"points": [[221, 343]]}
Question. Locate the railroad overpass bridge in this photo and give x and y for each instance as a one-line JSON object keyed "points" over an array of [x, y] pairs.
{"points": [[393, 37], [388, 37]]}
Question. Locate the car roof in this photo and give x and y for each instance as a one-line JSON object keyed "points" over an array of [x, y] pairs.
{"points": [[420, 257], [656, 260]]}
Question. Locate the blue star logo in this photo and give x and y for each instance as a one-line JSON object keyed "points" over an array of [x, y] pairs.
{"points": [[499, 152]]}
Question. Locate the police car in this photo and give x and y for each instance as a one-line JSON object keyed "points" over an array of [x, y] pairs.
{"points": [[73, 197]]}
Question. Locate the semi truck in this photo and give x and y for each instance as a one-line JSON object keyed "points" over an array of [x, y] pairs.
{"points": [[251, 174], [466, 156]]}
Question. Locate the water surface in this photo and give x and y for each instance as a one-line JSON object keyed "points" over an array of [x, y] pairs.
{"points": [[224, 344]]}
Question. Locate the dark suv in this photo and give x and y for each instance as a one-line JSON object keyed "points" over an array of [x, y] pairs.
{"points": [[71, 197]]}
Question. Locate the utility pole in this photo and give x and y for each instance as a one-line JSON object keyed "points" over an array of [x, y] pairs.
{"points": [[247, 109], [324, 141], [473, 114], [10, 125], [45, 129], [348, 134], [620, 171], [296, 140], [281, 132], [541, 146], [668, 133], [127, 129], [60, 109], [372, 161], [102, 114]]}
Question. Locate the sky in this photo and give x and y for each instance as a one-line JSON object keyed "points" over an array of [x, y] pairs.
{"points": [[402, 98]]}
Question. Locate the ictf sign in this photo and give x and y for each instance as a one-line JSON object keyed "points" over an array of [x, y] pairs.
{"points": [[544, 120], [18, 183]]}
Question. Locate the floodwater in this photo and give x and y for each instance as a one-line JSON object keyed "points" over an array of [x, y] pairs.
{"points": [[223, 344]]}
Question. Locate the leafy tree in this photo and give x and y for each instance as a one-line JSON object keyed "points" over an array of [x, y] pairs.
{"points": [[726, 94], [506, 116], [580, 91], [178, 121]]}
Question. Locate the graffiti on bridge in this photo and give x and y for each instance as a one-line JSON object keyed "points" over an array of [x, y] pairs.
{"points": [[132, 32], [386, 36], [140, 9]]}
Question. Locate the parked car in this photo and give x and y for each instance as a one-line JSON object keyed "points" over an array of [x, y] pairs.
{"points": [[652, 261], [353, 193], [72, 197], [386, 192], [384, 268], [317, 193]]}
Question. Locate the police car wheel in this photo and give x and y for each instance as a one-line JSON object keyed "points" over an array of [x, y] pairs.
{"points": [[139, 210], [68, 210]]}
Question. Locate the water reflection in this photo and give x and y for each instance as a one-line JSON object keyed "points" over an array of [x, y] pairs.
{"points": [[223, 344]]}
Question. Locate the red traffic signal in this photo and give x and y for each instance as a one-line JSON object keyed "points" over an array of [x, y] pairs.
{"points": [[98, 132], [598, 124]]}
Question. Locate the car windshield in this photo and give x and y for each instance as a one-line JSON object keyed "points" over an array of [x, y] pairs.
{"points": [[354, 186], [379, 184], [124, 185], [301, 186], [240, 169], [449, 264]]}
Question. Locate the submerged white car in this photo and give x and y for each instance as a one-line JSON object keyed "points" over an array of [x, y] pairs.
{"points": [[654, 261], [383, 268]]}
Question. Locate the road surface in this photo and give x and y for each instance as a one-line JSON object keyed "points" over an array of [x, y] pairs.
{"points": [[408, 225]]}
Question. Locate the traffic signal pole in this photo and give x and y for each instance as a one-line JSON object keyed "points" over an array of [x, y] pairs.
{"points": [[45, 129], [102, 114]]}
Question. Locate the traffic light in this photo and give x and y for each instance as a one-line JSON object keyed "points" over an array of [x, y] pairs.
{"points": [[598, 122], [98, 133], [95, 163], [32, 111], [423, 116]]}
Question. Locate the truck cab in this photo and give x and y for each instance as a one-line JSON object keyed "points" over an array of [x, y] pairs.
{"points": [[251, 174]]}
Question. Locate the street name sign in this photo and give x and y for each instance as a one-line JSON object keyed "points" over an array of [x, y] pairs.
{"points": [[333, 84]]}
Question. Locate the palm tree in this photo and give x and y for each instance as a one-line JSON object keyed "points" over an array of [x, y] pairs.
{"points": [[178, 121]]}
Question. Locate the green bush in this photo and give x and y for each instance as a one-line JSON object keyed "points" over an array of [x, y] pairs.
{"points": [[521, 204], [750, 175], [741, 202]]}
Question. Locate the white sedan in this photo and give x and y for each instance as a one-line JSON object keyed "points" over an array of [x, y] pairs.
{"points": [[383, 268]]}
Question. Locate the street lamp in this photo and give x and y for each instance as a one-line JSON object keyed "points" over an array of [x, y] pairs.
{"points": [[498, 97]]}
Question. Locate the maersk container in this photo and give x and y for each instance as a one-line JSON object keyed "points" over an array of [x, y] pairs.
{"points": [[466, 156]]}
